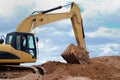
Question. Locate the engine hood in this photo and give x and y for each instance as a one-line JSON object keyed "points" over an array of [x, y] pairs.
{"points": [[5, 48]]}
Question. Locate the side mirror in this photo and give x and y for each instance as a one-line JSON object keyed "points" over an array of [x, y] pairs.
{"points": [[37, 39], [1, 41]]}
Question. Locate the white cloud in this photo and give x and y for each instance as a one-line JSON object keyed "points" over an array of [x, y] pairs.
{"points": [[105, 32], [60, 33], [99, 12], [49, 52], [110, 49], [104, 49], [7, 7], [107, 6], [50, 58]]}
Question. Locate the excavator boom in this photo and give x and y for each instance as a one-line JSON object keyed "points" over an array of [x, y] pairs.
{"points": [[37, 20]]}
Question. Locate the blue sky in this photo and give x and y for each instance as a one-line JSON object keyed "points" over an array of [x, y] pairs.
{"points": [[100, 20]]}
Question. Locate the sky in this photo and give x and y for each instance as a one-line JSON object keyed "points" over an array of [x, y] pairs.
{"points": [[100, 21]]}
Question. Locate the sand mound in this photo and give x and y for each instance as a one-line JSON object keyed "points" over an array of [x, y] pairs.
{"points": [[99, 68]]}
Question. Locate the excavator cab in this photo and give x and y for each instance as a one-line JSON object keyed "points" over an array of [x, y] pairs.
{"points": [[22, 41]]}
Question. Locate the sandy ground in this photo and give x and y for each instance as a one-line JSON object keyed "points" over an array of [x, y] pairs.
{"points": [[99, 68]]}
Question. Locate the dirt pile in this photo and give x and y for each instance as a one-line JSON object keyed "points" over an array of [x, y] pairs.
{"points": [[99, 68]]}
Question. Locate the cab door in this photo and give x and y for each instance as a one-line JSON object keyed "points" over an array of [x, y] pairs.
{"points": [[28, 44]]}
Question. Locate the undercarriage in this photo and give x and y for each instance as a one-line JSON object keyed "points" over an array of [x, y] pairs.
{"points": [[16, 71]]}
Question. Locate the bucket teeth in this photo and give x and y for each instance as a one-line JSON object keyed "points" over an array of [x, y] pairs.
{"points": [[75, 55]]}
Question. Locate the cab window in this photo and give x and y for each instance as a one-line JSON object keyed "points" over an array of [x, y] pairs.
{"points": [[28, 44], [9, 39]]}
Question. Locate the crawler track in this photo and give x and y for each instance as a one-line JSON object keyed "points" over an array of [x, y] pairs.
{"points": [[13, 71]]}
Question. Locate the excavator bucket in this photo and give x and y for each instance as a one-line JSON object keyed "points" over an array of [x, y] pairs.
{"points": [[74, 54]]}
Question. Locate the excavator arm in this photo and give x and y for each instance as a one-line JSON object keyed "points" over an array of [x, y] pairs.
{"points": [[37, 20]]}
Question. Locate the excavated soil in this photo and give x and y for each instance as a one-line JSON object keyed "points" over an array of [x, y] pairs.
{"points": [[99, 68]]}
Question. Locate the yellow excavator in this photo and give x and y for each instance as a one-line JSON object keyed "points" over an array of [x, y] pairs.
{"points": [[20, 46]]}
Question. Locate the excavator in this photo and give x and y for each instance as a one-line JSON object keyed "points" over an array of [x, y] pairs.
{"points": [[20, 46]]}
